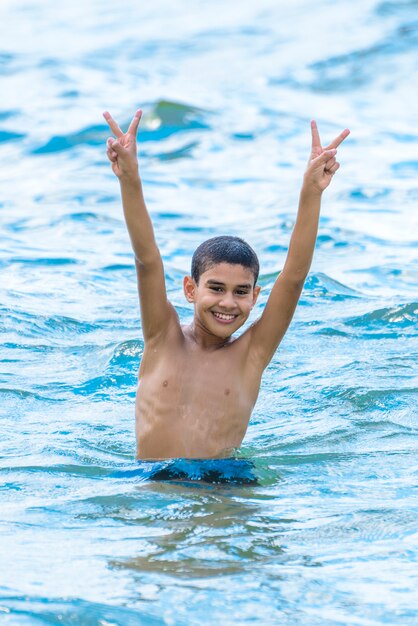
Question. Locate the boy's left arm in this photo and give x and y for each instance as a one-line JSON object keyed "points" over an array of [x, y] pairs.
{"points": [[269, 330]]}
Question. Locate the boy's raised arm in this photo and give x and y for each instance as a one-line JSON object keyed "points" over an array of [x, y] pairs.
{"points": [[269, 330], [156, 311]]}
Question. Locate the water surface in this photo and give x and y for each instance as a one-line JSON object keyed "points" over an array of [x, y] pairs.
{"points": [[330, 536]]}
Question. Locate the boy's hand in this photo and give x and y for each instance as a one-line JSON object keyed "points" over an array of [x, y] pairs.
{"points": [[322, 164], [122, 151]]}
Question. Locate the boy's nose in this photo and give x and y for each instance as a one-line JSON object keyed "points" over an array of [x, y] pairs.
{"points": [[227, 300]]}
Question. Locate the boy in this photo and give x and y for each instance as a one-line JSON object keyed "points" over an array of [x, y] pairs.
{"points": [[198, 385]]}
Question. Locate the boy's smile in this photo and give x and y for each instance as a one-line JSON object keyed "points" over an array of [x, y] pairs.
{"points": [[224, 318], [223, 298]]}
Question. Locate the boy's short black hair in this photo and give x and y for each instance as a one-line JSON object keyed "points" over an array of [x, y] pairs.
{"points": [[224, 249]]}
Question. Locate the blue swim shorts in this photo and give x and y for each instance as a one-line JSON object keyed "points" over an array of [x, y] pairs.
{"points": [[215, 471]]}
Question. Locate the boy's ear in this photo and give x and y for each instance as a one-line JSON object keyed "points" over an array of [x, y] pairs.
{"points": [[189, 288], [256, 292]]}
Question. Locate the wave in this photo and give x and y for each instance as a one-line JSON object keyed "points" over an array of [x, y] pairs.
{"points": [[10, 136], [402, 317], [124, 352], [317, 285], [363, 399], [41, 261], [164, 119], [44, 609], [114, 386], [34, 324], [24, 394], [167, 117], [321, 285]]}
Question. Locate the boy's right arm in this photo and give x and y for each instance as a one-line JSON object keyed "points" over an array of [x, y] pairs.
{"points": [[156, 311]]}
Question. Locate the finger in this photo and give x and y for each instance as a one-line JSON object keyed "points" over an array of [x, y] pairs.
{"points": [[333, 169], [336, 142], [109, 149], [133, 126], [324, 157], [111, 155], [116, 147], [330, 163], [316, 140], [112, 124]]}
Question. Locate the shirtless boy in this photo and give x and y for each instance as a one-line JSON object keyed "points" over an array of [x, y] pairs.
{"points": [[197, 384]]}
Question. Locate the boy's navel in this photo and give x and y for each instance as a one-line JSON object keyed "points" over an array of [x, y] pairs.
{"points": [[165, 383], [227, 392]]}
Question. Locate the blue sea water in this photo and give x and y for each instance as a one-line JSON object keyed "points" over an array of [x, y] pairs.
{"points": [[329, 536]]}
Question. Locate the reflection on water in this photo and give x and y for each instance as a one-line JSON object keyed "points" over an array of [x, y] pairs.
{"points": [[329, 534], [195, 531]]}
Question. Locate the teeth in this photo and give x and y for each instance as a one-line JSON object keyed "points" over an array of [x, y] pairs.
{"points": [[224, 316]]}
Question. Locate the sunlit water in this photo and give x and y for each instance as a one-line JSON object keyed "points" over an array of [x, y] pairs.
{"points": [[330, 536]]}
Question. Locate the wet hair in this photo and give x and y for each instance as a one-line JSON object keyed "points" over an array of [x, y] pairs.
{"points": [[224, 249]]}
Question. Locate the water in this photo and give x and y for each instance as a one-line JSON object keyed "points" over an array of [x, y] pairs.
{"points": [[330, 536]]}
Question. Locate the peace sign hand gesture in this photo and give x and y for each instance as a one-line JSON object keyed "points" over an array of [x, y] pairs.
{"points": [[322, 164], [122, 151]]}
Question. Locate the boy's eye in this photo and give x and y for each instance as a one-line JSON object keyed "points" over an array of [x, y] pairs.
{"points": [[217, 289], [241, 292]]}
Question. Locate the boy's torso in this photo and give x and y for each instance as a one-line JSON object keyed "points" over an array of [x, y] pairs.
{"points": [[194, 402]]}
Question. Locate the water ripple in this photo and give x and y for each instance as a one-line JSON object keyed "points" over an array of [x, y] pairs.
{"points": [[328, 536]]}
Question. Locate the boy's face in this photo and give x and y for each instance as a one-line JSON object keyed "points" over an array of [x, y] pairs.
{"points": [[223, 298]]}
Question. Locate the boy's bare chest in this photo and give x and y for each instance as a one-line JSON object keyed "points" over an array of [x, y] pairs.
{"points": [[193, 403], [196, 376]]}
